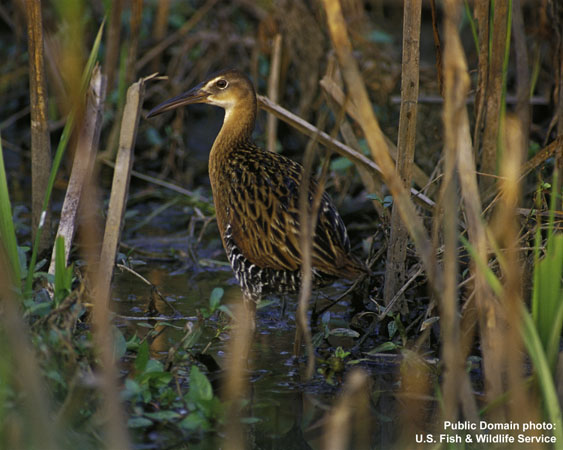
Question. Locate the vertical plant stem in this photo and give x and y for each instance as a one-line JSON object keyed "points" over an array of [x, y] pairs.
{"points": [[456, 133], [397, 250], [159, 28], [438, 47], [83, 163], [236, 380], [136, 16], [120, 185], [372, 131], [273, 91], [113, 42], [40, 141], [522, 72], [458, 81], [482, 17], [8, 241], [521, 406], [347, 425], [494, 96], [113, 411]]}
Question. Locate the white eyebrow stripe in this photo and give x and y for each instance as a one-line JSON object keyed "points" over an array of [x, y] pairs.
{"points": [[213, 81]]}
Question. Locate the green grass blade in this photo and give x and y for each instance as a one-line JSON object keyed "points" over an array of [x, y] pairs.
{"points": [[7, 231], [538, 357], [472, 25], [59, 155]]}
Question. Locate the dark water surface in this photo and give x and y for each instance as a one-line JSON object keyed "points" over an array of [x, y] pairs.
{"points": [[285, 411]]}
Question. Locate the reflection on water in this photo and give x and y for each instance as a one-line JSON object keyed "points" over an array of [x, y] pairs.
{"points": [[286, 412]]}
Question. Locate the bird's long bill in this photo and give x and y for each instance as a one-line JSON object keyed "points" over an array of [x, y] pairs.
{"points": [[194, 95]]}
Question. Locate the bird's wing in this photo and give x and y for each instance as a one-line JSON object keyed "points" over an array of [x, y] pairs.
{"points": [[265, 220]]}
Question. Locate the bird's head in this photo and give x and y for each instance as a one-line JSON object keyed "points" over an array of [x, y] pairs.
{"points": [[226, 89]]}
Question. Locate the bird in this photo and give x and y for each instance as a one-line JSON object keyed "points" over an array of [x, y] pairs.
{"points": [[256, 197]]}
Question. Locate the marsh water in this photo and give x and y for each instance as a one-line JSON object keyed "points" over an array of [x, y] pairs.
{"points": [[285, 411]]}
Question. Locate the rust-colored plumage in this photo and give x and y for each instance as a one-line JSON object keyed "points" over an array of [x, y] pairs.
{"points": [[256, 195]]}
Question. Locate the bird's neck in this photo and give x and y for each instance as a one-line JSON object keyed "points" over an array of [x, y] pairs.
{"points": [[237, 128]]}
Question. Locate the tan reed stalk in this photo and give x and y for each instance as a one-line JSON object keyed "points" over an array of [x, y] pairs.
{"points": [[376, 141], [348, 423], [493, 95], [40, 140], [83, 164], [487, 306], [395, 268], [521, 407], [456, 85]]}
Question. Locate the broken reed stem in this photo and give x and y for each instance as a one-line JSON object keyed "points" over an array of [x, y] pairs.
{"points": [[348, 423], [456, 82], [273, 91], [40, 140], [376, 141], [397, 248], [83, 164], [338, 147], [120, 184], [454, 96], [103, 271]]}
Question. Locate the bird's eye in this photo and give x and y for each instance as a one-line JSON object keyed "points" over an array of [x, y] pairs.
{"points": [[222, 84]]}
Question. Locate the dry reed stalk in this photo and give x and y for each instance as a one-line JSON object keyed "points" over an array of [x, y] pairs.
{"points": [[83, 164], [40, 428], [348, 424], [323, 138], [101, 272], [308, 220], [456, 76], [415, 398], [438, 47], [482, 18], [521, 407], [395, 266], [273, 91], [335, 91], [372, 184], [113, 43], [456, 135], [236, 381], [115, 423], [120, 184], [40, 140], [376, 141], [522, 71], [494, 95]]}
